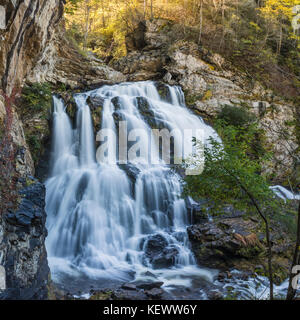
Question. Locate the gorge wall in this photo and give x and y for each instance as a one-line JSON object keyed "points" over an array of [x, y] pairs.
{"points": [[33, 48], [26, 28], [210, 83]]}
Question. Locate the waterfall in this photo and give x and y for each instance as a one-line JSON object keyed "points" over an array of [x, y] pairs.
{"points": [[104, 222]]}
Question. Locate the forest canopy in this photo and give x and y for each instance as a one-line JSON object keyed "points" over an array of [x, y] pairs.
{"points": [[262, 34]]}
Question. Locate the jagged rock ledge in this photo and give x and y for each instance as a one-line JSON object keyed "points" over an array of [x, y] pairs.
{"points": [[22, 245]]}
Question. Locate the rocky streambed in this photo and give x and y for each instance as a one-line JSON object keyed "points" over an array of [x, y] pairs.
{"points": [[233, 245]]}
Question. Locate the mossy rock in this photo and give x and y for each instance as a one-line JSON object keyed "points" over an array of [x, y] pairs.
{"points": [[144, 107], [102, 295], [148, 115], [207, 95], [191, 99], [250, 252], [236, 116], [36, 98], [116, 101], [164, 91]]}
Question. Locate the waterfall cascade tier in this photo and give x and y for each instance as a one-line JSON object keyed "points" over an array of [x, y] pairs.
{"points": [[104, 223]]}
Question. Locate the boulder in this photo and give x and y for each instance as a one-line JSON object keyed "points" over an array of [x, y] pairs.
{"points": [[159, 253], [154, 245], [165, 259], [155, 293], [215, 295], [148, 285], [129, 286], [225, 243]]}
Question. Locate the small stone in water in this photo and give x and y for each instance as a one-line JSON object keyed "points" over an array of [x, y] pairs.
{"points": [[215, 295], [154, 293], [128, 286]]}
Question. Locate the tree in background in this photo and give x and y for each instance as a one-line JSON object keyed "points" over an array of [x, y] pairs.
{"points": [[101, 26], [280, 15], [239, 30]]}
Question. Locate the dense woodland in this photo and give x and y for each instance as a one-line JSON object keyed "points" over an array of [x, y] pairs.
{"points": [[260, 37]]}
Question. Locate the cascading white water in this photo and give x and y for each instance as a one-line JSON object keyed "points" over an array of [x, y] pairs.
{"points": [[100, 221]]}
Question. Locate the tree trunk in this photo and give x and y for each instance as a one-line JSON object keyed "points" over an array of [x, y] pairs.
{"points": [[280, 39], [269, 260], [223, 23], [201, 21], [267, 236], [264, 218], [151, 8], [296, 260], [87, 20], [103, 14], [145, 9]]}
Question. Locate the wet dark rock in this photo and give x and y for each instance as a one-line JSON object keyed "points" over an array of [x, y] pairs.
{"points": [[223, 276], [149, 274], [116, 101], [118, 116], [131, 171], [159, 253], [215, 295], [163, 90], [144, 107], [147, 285], [23, 252], [165, 259], [148, 114], [235, 243], [129, 286], [242, 276], [95, 102], [42, 168], [155, 244], [128, 295], [155, 293]]}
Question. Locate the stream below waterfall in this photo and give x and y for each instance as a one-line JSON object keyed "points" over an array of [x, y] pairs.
{"points": [[111, 222]]}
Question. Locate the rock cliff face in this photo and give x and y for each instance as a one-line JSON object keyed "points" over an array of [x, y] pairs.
{"points": [[62, 63], [22, 245], [26, 29], [33, 48], [29, 27], [210, 83]]}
